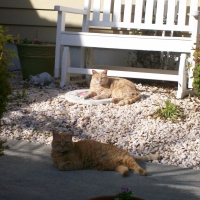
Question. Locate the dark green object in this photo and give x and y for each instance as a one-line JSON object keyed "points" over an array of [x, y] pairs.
{"points": [[36, 58]]}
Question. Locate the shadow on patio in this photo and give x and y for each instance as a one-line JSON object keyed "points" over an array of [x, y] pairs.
{"points": [[26, 170]]}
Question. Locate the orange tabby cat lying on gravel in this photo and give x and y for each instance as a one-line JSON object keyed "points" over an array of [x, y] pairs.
{"points": [[122, 91], [90, 154]]}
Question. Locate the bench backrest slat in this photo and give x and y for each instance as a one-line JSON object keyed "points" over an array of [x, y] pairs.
{"points": [[149, 11], [96, 10], [138, 11], [171, 12], [117, 11], [141, 26], [193, 7], [161, 14], [106, 14], [182, 14], [127, 11]]}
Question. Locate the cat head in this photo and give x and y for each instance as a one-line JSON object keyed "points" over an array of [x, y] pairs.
{"points": [[62, 142], [99, 78], [34, 79]]}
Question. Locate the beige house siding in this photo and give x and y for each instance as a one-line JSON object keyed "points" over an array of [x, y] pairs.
{"points": [[36, 18]]}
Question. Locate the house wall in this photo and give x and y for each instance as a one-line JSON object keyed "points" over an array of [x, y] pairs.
{"points": [[36, 18]]}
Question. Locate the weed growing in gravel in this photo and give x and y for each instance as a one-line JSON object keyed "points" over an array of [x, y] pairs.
{"points": [[2, 147], [21, 95], [170, 111]]}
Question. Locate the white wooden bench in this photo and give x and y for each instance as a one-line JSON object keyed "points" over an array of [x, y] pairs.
{"points": [[180, 16]]}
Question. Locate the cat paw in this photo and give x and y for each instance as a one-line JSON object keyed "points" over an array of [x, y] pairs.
{"points": [[125, 174], [156, 156], [143, 172], [86, 96], [63, 166], [114, 100], [96, 98], [121, 103], [89, 95]]}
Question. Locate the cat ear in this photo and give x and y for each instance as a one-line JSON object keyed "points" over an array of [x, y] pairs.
{"points": [[71, 134], [30, 77], [105, 71], [55, 133], [94, 72]]}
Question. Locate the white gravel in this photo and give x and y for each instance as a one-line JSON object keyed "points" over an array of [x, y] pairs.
{"points": [[31, 118]]}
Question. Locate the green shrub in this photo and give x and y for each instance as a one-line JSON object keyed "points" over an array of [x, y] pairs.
{"points": [[196, 72], [5, 58]]}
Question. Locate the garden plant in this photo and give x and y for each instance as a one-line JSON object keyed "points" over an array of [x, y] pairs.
{"points": [[196, 72], [5, 58]]}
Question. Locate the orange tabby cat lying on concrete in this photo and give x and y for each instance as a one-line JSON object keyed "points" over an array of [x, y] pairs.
{"points": [[90, 154], [122, 91]]}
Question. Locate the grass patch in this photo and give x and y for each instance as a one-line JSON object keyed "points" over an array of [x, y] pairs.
{"points": [[20, 95], [169, 111]]}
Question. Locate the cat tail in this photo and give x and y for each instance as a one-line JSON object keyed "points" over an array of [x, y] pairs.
{"points": [[149, 157], [129, 100]]}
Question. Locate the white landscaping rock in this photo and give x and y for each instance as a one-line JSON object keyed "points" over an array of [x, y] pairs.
{"points": [[131, 127]]}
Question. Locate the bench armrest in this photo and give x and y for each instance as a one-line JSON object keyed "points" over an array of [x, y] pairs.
{"points": [[70, 10], [195, 13]]}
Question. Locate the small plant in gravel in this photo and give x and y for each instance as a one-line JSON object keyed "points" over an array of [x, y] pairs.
{"points": [[2, 147], [20, 95], [170, 111]]}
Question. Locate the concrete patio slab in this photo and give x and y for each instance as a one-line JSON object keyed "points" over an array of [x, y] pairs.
{"points": [[27, 173]]}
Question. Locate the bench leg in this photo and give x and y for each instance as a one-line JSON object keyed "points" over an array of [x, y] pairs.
{"points": [[182, 82], [65, 64], [89, 62], [57, 62]]}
